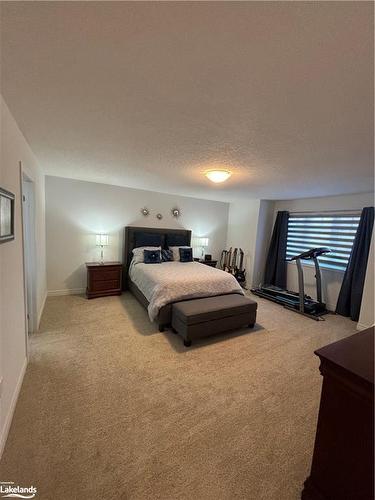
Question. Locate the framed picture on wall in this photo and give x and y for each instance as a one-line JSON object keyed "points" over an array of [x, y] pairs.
{"points": [[6, 216]]}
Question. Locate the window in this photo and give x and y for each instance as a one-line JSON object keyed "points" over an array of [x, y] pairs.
{"points": [[335, 231]]}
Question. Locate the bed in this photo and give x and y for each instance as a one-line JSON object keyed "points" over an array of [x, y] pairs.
{"points": [[158, 286]]}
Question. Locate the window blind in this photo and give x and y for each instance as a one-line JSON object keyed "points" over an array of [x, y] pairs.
{"points": [[335, 231]]}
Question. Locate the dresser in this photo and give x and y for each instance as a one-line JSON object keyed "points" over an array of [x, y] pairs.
{"points": [[103, 279], [342, 464]]}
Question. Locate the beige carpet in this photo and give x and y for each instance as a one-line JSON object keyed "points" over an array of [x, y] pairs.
{"points": [[112, 409]]}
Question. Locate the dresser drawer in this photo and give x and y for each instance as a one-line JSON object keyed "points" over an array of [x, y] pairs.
{"points": [[98, 286], [103, 279], [105, 274]]}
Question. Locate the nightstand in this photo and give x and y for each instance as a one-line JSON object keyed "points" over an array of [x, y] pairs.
{"points": [[211, 263], [103, 279]]}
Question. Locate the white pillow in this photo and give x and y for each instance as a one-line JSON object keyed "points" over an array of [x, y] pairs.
{"points": [[176, 253], [139, 256]]}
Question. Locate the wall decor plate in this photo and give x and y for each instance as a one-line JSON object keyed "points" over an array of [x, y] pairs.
{"points": [[6, 216]]}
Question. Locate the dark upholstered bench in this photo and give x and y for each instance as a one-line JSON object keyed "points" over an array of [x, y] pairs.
{"points": [[198, 318]]}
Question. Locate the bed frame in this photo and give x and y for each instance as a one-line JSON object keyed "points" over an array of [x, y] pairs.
{"points": [[131, 234]]}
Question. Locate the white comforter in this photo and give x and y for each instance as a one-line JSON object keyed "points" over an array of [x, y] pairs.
{"points": [[174, 281]]}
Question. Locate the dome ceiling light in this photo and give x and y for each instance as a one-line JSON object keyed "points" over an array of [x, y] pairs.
{"points": [[218, 175]]}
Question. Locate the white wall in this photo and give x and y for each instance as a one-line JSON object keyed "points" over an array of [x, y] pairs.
{"points": [[242, 231], [249, 227], [77, 210], [14, 149], [366, 317], [331, 280]]}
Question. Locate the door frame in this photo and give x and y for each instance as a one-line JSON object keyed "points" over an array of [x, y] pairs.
{"points": [[29, 260]]}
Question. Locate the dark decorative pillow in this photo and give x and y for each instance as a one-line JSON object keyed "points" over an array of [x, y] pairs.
{"points": [[166, 255], [152, 256], [186, 254]]}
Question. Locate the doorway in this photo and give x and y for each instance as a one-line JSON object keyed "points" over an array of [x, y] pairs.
{"points": [[29, 250]]}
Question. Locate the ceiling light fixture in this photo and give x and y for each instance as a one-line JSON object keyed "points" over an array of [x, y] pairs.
{"points": [[218, 175]]}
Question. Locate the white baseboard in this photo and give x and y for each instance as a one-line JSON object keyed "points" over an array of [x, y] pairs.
{"points": [[66, 291], [9, 416]]}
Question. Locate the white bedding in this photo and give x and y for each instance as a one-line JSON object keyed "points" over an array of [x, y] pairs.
{"points": [[174, 281]]}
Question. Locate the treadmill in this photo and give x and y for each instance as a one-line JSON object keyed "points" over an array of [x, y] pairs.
{"points": [[299, 301]]}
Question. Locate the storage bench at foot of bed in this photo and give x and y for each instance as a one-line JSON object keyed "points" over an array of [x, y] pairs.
{"points": [[198, 318]]}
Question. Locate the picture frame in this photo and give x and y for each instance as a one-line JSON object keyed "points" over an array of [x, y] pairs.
{"points": [[6, 216]]}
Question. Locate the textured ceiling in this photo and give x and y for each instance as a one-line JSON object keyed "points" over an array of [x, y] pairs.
{"points": [[149, 95]]}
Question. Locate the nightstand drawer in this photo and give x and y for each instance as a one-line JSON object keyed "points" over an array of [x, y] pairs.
{"points": [[98, 286], [105, 275]]}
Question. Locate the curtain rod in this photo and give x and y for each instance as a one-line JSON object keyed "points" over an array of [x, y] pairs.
{"points": [[356, 211]]}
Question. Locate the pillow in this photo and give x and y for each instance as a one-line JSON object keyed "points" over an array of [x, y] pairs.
{"points": [[166, 255], [138, 255], [186, 254], [176, 253], [152, 256], [144, 239]]}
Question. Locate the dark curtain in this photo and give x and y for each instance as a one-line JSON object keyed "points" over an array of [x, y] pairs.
{"points": [[350, 297], [275, 273]]}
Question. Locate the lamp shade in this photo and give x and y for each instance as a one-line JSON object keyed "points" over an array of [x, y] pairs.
{"points": [[102, 240], [200, 242]]}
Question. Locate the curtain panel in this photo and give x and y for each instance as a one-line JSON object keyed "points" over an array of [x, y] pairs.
{"points": [[350, 296], [276, 265]]}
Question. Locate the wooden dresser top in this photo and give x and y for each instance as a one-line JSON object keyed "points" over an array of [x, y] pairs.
{"points": [[103, 264], [355, 354]]}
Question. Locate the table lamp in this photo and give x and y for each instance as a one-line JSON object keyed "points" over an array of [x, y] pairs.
{"points": [[201, 243], [102, 241]]}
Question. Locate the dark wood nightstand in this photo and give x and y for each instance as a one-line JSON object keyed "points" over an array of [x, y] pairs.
{"points": [[211, 263], [103, 279]]}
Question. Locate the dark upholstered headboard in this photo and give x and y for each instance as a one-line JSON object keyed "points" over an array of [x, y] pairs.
{"points": [[150, 236]]}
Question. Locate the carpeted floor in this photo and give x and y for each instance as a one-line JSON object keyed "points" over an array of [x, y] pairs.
{"points": [[112, 409]]}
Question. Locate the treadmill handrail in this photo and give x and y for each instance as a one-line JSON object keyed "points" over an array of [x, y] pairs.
{"points": [[311, 254]]}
